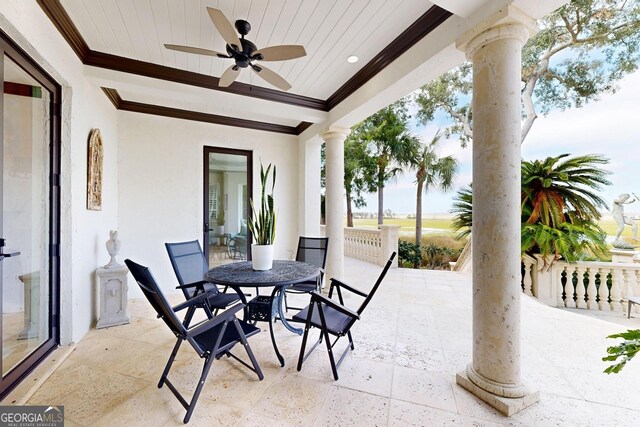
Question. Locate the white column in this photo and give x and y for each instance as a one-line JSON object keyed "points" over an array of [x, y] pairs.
{"points": [[309, 187], [334, 210], [494, 374]]}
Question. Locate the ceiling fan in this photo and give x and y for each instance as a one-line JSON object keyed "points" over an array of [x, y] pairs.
{"points": [[244, 52]]}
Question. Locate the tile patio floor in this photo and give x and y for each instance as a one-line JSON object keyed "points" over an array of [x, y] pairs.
{"points": [[413, 338]]}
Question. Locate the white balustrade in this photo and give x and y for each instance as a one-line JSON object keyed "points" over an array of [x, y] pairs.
{"points": [[371, 245], [545, 281]]}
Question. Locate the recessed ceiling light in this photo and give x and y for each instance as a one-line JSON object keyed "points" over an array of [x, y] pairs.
{"points": [[352, 59]]}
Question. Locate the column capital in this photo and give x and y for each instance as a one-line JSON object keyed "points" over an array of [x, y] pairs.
{"points": [[508, 22], [335, 132]]}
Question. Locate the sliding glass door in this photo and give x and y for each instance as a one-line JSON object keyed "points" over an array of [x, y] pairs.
{"points": [[29, 192]]}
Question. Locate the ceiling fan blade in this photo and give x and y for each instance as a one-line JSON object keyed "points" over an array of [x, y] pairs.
{"points": [[224, 27], [281, 53], [196, 50], [271, 77], [229, 76]]}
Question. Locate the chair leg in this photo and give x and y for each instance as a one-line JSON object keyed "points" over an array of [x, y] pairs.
{"points": [[350, 340], [329, 346], [196, 394], [247, 348], [170, 362], [334, 368], [307, 326]]}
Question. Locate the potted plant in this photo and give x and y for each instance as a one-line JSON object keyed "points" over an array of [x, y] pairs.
{"points": [[262, 224]]}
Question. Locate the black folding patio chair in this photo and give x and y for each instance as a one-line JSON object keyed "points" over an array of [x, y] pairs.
{"points": [[211, 338], [190, 265], [333, 318], [312, 250]]}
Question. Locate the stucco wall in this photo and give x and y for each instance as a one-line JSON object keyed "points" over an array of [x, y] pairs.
{"points": [[83, 232], [161, 185]]}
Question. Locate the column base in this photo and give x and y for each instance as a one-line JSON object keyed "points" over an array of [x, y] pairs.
{"points": [[505, 405]]}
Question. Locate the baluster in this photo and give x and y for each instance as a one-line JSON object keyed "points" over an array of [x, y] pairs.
{"points": [[561, 289], [580, 290], [615, 293], [592, 292], [603, 290], [626, 284], [570, 291], [526, 280]]}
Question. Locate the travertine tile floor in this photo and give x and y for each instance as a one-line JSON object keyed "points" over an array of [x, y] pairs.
{"points": [[412, 340]]}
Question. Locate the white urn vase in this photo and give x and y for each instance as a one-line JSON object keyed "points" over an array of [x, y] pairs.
{"points": [[262, 257]]}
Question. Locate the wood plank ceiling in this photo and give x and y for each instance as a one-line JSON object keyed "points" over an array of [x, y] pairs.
{"points": [[330, 31]]}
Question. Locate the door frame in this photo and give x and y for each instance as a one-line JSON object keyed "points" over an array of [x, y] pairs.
{"points": [[205, 193], [17, 55]]}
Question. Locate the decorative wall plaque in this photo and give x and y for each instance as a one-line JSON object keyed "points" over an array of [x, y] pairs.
{"points": [[94, 171]]}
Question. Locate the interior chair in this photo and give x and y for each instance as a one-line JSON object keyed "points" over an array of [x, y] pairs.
{"points": [[190, 265], [333, 318], [211, 338], [312, 250]]}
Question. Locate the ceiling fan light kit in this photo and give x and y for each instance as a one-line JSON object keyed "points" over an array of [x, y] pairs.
{"points": [[244, 52]]}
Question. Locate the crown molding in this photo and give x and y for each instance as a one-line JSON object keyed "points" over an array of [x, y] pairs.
{"points": [[176, 113]]}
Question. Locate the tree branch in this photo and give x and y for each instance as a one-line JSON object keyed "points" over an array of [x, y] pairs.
{"points": [[461, 118]]}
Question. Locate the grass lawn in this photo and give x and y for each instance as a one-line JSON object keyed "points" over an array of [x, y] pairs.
{"points": [[408, 226]]}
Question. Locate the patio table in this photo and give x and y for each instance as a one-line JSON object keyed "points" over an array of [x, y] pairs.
{"points": [[284, 273]]}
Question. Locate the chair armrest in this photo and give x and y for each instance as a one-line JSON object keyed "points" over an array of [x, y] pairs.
{"points": [[338, 283], [316, 296], [208, 324], [193, 285], [195, 300]]}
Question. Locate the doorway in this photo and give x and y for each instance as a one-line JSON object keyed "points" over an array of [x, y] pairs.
{"points": [[227, 189], [29, 209]]}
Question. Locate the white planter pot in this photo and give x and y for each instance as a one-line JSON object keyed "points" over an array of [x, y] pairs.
{"points": [[262, 257]]}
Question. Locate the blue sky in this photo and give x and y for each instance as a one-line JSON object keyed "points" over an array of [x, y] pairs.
{"points": [[610, 127]]}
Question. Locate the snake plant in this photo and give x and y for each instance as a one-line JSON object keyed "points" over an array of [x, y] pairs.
{"points": [[262, 222]]}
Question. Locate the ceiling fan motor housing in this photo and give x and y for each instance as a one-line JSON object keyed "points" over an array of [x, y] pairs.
{"points": [[244, 57]]}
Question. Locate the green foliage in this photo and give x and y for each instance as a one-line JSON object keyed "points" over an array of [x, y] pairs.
{"points": [[559, 204], [437, 257], [598, 43], [625, 350], [462, 207], [581, 51], [451, 93], [563, 188], [389, 146], [571, 241], [262, 222], [408, 254], [435, 252]]}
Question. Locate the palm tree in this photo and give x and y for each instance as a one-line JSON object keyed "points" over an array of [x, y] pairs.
{"points": [[390, 144], [559, 206], [356, 163], [431, 172], [462, 207], [562, 188]]}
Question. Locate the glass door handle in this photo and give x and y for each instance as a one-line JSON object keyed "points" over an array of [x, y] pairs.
{"points": [[4, 254]]}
